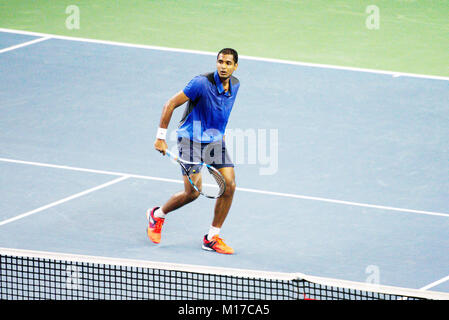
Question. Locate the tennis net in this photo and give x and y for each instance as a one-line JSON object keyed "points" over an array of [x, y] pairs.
{"points": [[30, 275]]}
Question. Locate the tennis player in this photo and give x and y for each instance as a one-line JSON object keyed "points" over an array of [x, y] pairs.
{"points": [[200, 133]]}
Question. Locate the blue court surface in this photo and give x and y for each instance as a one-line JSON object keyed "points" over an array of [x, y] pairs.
{"points": [[342, 171]]}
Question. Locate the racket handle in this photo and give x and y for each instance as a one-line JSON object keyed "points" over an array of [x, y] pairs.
{"points": [[171, 155]]}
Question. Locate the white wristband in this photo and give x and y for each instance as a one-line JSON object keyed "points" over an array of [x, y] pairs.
{"points": [[161, 133]]}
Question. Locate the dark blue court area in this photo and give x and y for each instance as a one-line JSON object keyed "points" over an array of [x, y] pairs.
{"points": [[339, 172]]}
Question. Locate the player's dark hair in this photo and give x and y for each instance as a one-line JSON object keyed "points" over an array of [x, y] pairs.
{"points": [[230, 51]]}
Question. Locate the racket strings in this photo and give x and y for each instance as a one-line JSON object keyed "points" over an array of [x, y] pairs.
{"points": [[218, 179]]}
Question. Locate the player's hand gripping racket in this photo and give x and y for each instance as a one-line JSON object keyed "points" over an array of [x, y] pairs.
{"points": [[212, 183]]}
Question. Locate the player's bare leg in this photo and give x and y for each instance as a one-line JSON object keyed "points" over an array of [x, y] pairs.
{"points": [[223, 204], [212, 241], [182, 198]]}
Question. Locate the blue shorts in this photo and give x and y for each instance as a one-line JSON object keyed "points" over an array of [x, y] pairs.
{"points": [[213, 153]]}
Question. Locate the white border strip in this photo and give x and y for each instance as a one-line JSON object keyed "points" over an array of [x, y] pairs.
{"points": [[279, 194], [53, 204], [290, 62], [21, 45], [226, 272]]}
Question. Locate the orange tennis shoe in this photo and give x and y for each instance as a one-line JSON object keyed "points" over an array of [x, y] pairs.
{"points": [[217, 244], [154, 226]]}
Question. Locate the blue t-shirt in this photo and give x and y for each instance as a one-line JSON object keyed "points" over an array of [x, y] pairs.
{"points": [[208, 109]]}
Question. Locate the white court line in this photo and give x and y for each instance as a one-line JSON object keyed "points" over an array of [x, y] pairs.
{"points": [[281, 61], [111, 173], [280, 194], [435, 283], [343, 202], [21, 45], [53, 204]]}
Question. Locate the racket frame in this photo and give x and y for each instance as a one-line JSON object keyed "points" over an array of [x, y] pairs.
{"points": [[183, 162]]}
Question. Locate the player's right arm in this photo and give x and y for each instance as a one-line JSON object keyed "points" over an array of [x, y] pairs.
{"points": [[177, 100]]}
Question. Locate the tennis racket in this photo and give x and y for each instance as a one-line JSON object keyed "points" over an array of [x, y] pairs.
{"points": [[212, 183]]}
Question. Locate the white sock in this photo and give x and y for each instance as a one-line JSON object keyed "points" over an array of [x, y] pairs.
{"points": [[212, 232], [159, 213]]}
